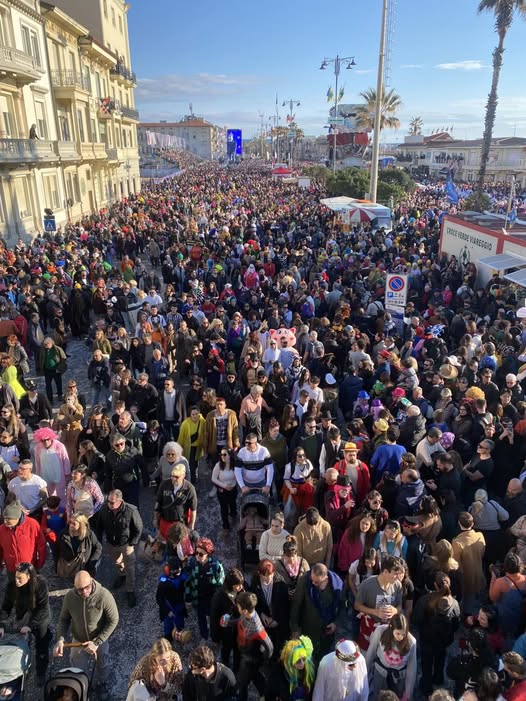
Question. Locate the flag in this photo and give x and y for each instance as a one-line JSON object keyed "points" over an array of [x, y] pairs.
{"points": [[106, 105], [513, 216], [511, 212], [451, 190], [341, 94], [330, 95]]}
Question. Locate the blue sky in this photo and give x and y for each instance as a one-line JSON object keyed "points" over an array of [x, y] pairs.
{"points": [[230, 60]]}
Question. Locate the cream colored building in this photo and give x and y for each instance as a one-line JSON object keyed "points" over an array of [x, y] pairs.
{"points": [[78, 92], [105, 58], [30, 169], [438, 153], [203, 139]]}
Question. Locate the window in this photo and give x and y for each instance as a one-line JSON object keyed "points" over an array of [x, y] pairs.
{"points": [[113, 16], [6, 117], [63, 126], [51, 191], [120, 24], [105, 6], [76, 189], [81, 125], [22, 198], [40, 113], [124, 138], [87, 78], [94, 131], [30, 43], [98, 85]]}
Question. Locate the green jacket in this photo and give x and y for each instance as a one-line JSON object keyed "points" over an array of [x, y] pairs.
{"points": [[94, 618]]}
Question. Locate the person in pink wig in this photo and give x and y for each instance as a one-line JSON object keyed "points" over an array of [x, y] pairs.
{"points": [[52, 462]]}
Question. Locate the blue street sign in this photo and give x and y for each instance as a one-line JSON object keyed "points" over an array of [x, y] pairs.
{"points": [[50, 224]]}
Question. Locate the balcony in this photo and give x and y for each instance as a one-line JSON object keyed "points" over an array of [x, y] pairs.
{"points": [[129, 113], [67, 150], [92, 151], [123, 74], [27, 151], [65, 83], [19, 66], [106, 107]]}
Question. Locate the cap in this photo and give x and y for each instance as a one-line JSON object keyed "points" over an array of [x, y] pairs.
{"points": [[31, 385], [398, 392], [405, 402], [362, 394], [13, 511], [350, 446], [381, 425], [384, 354]]}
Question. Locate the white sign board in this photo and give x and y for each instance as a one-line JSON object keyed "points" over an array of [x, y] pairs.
{"points": [[466, 243], [396, 291], [304, 183]]}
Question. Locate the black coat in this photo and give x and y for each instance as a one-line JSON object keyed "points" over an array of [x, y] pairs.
{"points": [[34, 413], [221, 604], [68, 549], [18, 599], [278, 609], [121, 527]]}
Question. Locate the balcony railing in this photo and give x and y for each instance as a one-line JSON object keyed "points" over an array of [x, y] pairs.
{"points": [[20, 65], [67, 150], [112, 154], [27, 150], [129, 113], [70, 79], [121, 71]]}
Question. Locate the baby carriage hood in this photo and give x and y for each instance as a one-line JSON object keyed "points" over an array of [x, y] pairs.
{"points": [[257, 499], [71, 678], [14, 659]]}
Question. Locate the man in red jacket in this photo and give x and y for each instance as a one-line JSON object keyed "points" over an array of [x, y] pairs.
{"points": [[21, 540], [515, 668], [356, 470]]}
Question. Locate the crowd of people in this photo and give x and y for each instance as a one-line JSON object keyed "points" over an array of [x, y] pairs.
{"points": [[369, 473]]}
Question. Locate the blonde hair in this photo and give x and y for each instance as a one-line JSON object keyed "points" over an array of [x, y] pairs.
{"points": [[83, 523], [443, 555], [159, 648]]}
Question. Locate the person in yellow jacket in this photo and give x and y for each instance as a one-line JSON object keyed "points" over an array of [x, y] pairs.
{"points": [[191, 439]]}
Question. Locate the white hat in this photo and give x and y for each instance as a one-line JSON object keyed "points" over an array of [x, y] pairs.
{"points": [[347, 651], [453, 360], [330, 379]]}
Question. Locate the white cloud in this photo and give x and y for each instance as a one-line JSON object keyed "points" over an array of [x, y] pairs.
{"points": [[364, 71], [469, 65], [412, 65], [179, 88]]}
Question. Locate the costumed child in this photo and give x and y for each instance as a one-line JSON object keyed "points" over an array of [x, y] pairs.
{"points": [[170, 599], [296, 675], [53, 523]]}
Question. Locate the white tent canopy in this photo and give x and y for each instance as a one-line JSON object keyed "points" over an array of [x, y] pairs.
{"points": [[337, 203], [503, 261]]}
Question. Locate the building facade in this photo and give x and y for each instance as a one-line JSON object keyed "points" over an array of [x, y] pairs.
{"points": [[203, 139], [68, 127], [440, 153]]}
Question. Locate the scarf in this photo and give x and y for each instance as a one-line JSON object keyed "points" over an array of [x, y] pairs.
{"points": [[327, 614]]}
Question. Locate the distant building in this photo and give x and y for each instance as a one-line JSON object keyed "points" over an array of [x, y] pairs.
{"points": [[440, 153], [202, 138]]}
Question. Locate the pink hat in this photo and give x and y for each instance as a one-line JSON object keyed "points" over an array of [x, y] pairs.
{"points": [[398, 392], [44, 434]]}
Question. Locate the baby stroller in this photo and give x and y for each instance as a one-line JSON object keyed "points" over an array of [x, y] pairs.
{"points": [[71, 683], [15, 661], [254, 513]]}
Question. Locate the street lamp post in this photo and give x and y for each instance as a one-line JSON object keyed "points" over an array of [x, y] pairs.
{"points": [[379, 99], [290, 118], [336, 61]]}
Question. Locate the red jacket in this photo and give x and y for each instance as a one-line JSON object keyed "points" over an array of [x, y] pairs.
{"points": [[517, 692], [364, 479], [24, 543]]}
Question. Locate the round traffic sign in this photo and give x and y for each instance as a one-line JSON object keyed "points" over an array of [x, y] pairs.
{"points": [[396, 283]]}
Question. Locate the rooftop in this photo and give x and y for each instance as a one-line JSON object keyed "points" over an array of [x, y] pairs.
{"points": [[192, 122]]}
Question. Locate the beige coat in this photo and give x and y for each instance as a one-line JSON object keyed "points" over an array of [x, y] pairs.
{"points": [[314, 543], [210, 435], [468, 550]]}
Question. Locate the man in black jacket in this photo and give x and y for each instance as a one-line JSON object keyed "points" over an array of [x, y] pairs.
{"points": [[34, 407], [176, 499], [121, 523], [123, 469], [208, 679]]}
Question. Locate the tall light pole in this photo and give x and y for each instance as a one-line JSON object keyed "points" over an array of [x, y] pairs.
{"points": [[290, 119], [379, 100], [336, 61]]}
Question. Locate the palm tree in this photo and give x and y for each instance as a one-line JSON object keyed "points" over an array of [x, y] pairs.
{"points": [[391, 103], [415, 126], [503, 11]]}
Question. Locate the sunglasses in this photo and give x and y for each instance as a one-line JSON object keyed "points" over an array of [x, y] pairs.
{"points": [[200, 554]]}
